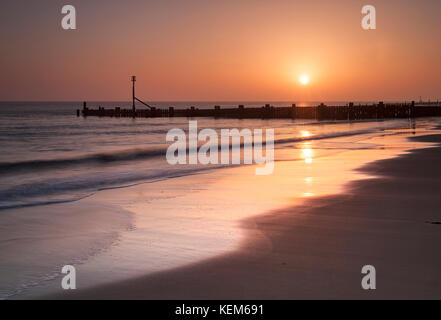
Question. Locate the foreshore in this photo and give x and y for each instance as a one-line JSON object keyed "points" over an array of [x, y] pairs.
{"points": [[318, 248]]}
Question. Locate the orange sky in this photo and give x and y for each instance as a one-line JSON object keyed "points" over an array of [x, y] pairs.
{"points": [[221, 50]]}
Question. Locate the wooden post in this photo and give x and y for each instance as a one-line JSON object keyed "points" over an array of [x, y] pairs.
{"points": [[382, 108], [267, 110], [351, 111], [293, 111], [320, 110], [84, 109], [241, 111], [412, 110]]}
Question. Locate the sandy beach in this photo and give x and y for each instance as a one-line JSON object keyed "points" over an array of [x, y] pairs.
{"points": [[118, 219], [244, 151], [317, 249]]}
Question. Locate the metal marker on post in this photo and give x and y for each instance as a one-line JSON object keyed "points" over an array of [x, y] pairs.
{"points": [[133, 93]]}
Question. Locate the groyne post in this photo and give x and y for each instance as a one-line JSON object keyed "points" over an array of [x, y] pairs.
{"points": [[216, 111], [293, 111], [320, 112], [412, 110], [382, 110], [241, 111]]}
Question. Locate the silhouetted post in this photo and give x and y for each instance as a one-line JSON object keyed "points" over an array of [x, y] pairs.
{"points": [[412, 110], [171, 112], [350, 111], [293, 111], [383, 110], [133, 94], [216, 111], [84, 108], [320, 111], [267, 110], [241, 111]]}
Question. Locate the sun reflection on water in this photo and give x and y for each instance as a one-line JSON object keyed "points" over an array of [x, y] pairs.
{"points": [[307, 153]]}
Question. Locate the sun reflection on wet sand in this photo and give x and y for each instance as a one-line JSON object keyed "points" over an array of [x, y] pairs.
{"points": [[307, 152], [305, 133], [307, 194]]}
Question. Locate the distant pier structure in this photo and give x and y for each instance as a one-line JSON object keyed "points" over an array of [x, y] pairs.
{"points": [[350, 111]]}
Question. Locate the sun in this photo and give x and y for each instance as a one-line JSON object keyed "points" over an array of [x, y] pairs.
{"points": [[304, 79]]}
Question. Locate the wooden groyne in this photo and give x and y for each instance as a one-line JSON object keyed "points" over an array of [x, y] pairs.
{"points": [[321, 112]]}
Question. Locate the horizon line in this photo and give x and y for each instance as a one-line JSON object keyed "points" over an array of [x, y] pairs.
{"points": [[235, 101]]}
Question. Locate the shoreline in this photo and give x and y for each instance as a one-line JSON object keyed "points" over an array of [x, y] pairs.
{"points": [[317, 249], [59, 234], [186, 220]]}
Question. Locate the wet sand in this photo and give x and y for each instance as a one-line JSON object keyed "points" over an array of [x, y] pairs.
{"points": [[32, 238], [317, 249]]}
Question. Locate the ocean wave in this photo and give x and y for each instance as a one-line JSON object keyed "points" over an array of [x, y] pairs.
{"points": [[54, 191], [10, 167], [75, 187], [137, 154]]}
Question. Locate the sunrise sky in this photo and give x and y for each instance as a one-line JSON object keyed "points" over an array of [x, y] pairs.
{"points": [[220, 50]]}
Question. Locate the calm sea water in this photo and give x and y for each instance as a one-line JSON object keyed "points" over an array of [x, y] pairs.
{"points": [[49, 155]]}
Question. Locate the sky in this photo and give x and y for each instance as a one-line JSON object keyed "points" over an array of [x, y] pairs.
{"points": [[220, 50]]}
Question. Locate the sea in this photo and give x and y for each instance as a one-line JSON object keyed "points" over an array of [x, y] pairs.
{"points": [[49, 156]]}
